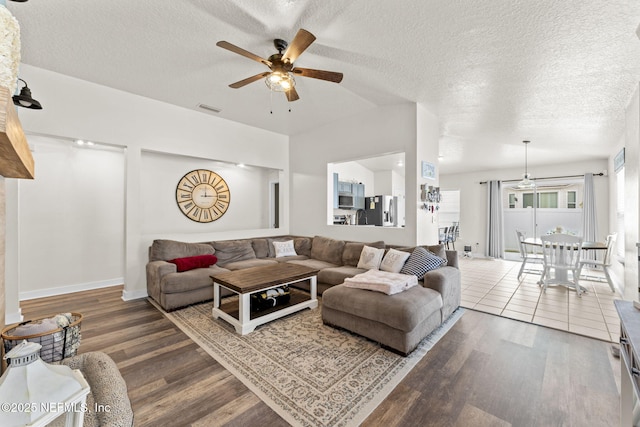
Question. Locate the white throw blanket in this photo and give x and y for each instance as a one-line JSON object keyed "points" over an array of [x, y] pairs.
{"points": [[382, 281]]}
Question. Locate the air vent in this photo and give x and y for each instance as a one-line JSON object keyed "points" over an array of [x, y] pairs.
{"points": [[209, 108]]}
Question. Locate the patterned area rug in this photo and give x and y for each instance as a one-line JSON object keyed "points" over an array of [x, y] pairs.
{"points": [[309, 373]]}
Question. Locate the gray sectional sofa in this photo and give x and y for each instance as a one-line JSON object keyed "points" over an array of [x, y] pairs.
{"points": [[361, 311], [336, 260]]}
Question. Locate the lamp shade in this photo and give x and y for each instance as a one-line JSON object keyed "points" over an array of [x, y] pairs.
{"points": [[33, 389]]}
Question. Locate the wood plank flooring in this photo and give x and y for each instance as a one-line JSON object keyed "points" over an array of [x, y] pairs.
{"points": [[487, 371]]}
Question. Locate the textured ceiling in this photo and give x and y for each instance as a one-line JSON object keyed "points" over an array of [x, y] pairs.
{"points": [[495, 72]]}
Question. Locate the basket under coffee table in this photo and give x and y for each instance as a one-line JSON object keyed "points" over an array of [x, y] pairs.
{"points": [[258, 279]]}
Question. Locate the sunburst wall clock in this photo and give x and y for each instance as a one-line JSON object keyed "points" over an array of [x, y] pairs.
{"points": [[202, 195]]}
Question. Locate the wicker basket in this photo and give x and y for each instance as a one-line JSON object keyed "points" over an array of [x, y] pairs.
{"points": [[56, 344]]}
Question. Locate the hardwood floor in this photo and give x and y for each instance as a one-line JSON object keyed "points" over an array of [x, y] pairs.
{"points": [[487, 371]]}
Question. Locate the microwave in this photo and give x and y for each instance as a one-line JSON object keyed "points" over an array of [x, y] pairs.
{"points": [[345, 200]]}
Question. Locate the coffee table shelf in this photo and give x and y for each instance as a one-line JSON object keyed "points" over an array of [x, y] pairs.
{"points": [[258, 279]]}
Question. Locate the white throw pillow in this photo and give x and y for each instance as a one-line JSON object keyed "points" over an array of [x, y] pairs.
{"points": [[394, 260], [284, 248], [370, 258]]}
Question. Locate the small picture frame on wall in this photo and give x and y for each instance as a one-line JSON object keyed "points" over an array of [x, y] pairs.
{"points": [[428, 170]]}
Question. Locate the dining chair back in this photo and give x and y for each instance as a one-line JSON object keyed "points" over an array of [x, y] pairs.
{"points": [[527, 257], [561, 255], [604, 264]]}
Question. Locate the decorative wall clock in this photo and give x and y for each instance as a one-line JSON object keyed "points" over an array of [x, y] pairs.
{"points": [[202, 195]]}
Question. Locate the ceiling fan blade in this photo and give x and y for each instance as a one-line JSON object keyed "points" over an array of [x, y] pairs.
{"points": [[318, 74], [248, 80], [240, 51], [292, 94], [300, 43]]}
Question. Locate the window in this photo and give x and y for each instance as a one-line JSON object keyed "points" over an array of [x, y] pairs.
{"points": [[548, 200], [571, 199], [512, 200], [527, 200], [545, 200]]}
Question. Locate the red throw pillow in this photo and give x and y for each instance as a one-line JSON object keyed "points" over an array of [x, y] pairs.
{"points": [[198, 261]]}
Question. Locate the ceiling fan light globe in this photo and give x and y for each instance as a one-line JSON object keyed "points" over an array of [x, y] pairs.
{"points": [[279, 81]]}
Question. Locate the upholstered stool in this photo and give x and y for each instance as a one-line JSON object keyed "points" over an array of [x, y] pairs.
{"points": [[108, 403], [398, 322]]}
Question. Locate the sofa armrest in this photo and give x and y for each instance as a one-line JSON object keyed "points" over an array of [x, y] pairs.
{"points": [[445, 280], [156, 270], [452, 259]]}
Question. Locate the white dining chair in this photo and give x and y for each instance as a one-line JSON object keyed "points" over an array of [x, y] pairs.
{"points": [[527, 257], [561, 255], [605, 263]]}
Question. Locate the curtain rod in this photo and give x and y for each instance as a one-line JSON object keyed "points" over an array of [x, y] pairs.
{"points": [[548, 177]]}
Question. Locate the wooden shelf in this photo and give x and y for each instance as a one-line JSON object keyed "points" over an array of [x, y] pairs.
{"points": [[16, 160]]}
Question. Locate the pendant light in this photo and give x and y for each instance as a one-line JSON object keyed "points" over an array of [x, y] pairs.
{"points": [[526, 178]]}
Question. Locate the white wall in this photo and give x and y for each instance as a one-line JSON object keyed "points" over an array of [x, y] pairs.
{"points": [[383, 130], [427, 150], [71, 227], [473, 197], [74, 108], [159, 174]]}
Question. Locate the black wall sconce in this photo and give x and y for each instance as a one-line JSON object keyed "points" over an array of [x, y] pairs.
{"points": [[25, 100]]}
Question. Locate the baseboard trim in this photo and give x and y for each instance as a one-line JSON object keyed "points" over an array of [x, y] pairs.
{"points": [[49, 292], [131, 295]]}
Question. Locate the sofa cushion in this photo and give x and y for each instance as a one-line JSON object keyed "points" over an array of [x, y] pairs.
{"points": [[394, 260], [370, 258], [248, 263], [229, 251], [192, 262], [421, 261], [402, 311], [260, 247], [291, 258], [189, 280], [336, 275], [316, 264], [327, 249], [303, 246], [164, 250], [352, 250]]}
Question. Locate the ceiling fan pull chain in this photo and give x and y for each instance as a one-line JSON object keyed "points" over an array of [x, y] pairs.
{"points": [[271, 101]]}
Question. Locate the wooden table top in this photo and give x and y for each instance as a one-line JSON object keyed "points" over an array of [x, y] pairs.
{"points": [[253, 279]]}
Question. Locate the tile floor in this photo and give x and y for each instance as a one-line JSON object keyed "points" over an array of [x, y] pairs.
{"points": [[492, 286]]}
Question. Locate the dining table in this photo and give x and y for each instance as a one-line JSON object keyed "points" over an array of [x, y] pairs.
{"points": [[586, 245]]}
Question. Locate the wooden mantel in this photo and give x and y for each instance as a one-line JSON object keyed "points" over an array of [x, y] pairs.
{"points": [[16, 160]]}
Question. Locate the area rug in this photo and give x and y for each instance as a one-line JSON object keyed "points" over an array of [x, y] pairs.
{"points": [[308, 373]]}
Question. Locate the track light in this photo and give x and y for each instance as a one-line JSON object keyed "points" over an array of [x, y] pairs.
{"points": [[24, 99]]}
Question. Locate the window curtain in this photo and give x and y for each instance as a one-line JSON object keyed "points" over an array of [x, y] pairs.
{"points": [[495, 226], [589, 221]]}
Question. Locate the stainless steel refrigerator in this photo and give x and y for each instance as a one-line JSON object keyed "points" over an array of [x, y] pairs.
{"points": [[381, 211]]}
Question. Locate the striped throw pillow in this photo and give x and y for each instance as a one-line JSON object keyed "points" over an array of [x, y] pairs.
{"points": [[422, 261]]}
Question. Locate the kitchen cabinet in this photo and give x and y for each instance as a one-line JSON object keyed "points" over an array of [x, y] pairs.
{"points": [[358, 196], [344, 187]]}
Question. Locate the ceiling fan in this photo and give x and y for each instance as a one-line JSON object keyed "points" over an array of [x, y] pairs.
{"points": [[281, 76]]}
